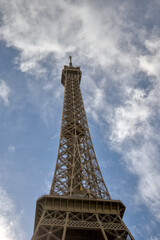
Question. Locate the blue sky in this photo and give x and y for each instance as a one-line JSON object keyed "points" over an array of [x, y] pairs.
{"points": [[117, 45]]}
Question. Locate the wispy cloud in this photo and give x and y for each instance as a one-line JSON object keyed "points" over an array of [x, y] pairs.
{"points": [[10, 222], [60, 27], [11, 148], [149, 62], [130, 118], [4, 93]]}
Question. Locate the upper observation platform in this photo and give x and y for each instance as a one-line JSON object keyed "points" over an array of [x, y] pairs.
{"points": [[70, 70]]}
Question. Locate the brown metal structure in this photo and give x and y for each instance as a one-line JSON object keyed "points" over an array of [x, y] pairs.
{"points": [[79, 206]]}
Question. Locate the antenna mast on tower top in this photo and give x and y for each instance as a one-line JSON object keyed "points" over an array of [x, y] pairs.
{"points": [[70, 63]]}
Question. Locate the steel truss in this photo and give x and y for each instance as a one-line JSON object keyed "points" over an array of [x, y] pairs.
{"points": [[79, 206], [64, 225], [77, 171]]}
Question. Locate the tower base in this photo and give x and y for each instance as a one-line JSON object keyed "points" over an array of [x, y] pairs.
{"points": [[65, 218]]}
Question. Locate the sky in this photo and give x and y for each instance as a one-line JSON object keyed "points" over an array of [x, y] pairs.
{"points": [[117, 45]]}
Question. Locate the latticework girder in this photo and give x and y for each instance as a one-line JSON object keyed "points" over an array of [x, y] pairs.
{"points": [[79, 206], [77, 171]]}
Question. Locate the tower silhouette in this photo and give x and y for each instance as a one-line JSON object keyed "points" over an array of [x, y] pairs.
{"points": [[79, 206]]}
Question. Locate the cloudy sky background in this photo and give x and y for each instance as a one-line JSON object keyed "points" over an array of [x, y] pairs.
{"points": [[117, 45]]}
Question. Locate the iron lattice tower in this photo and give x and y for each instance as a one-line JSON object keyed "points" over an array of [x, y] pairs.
{"points": [[79, 206]]}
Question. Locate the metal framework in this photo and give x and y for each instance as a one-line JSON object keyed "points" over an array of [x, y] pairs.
{"points": [[79, 206]]}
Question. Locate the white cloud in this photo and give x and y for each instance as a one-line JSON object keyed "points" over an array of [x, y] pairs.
{"points": [[150, 61], [60, 27], [10, 222], [130, 118], [134, 133], [11, 148], [142, 161], [4, 92]]}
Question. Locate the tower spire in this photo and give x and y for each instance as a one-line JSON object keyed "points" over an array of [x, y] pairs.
{"points": [[70, 63], [79, 206]]}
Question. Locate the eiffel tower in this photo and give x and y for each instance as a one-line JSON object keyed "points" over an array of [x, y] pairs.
{"points": [[79, 206]]}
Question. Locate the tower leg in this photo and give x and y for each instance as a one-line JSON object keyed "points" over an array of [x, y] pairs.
{"points": [[65, 227], [102, 229]]}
